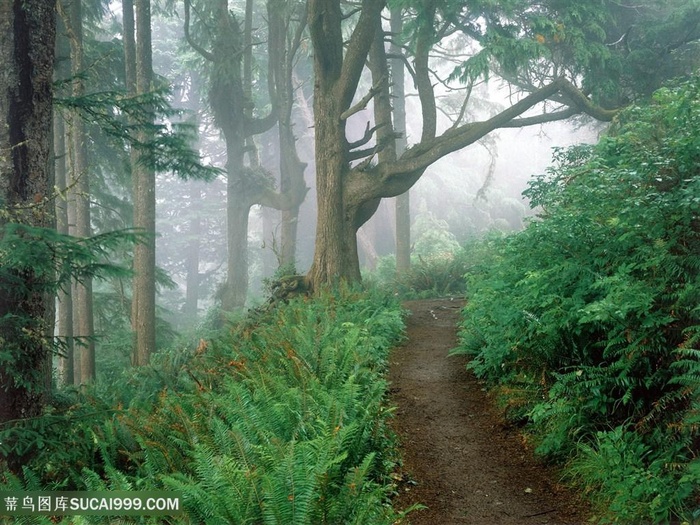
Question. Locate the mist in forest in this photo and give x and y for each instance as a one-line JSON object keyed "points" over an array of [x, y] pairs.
{"points": [[461, 197]]}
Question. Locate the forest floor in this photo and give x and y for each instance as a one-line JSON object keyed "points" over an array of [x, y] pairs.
{"points": [[460, 458]]}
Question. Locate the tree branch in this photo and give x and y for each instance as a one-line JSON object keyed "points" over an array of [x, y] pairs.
{"points": [[357, 50], [199, 49], [584, 103], [369, 132], [362, 104], [258, 126], [542, 119]]}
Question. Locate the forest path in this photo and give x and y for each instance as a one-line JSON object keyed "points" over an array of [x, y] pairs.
{"points": [[467, 465]]}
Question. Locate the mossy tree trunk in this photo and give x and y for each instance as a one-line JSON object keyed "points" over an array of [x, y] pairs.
{"points": [[27, 36], [351, 180], [230, 101]]}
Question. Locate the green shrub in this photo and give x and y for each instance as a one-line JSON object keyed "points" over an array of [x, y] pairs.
{"points": [[595, 307], [437, 275], [283, 420]]}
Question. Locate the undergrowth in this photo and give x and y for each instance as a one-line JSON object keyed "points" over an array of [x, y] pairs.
{"points": [[589, 320], [437, 275], [280, 421]]}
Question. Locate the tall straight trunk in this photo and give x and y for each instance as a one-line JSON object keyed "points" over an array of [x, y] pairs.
{"points": [[27, 35], [66, 369], [403, 201], [192, 258], [336, 255], [144, 320], [64, 328], [71, 213], [129, 36], [80, 180]]}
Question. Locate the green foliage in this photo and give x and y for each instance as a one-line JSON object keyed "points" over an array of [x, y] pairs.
{"points": [[282, 420], [168, 147], [34, 262], [639, 479], [594, 308], [438, 275]]}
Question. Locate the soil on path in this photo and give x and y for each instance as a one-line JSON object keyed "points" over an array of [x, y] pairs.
{"points": [[460, 459]]}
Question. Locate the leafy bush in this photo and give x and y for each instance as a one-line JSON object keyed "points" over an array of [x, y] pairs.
{"points": [[595, 308], [436, 275], [281, 421]]}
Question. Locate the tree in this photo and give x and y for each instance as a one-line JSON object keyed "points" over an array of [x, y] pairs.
{"points": [[27, 34], [285, 39], [555, 55], [79, 189], [232, 106], [66, 363], [403, 201], [143, 310]]}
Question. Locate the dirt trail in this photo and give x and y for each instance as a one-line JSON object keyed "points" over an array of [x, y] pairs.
{"points": [[467, 466]]}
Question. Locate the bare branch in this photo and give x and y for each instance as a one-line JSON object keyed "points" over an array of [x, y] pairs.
{"points": [[362, 104], [542, 119], [199, 49], [369, 132]]}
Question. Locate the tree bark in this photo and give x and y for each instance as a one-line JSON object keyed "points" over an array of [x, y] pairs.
{"points": [[403, 201], [66, 368], [27, 36], [336, 76], [83, 323], [144, 183]]}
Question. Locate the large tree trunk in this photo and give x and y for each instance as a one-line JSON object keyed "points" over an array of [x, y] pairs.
{"points": [[335, 254], [144, 307], [238, 205], [27, 35], [336, 75]]}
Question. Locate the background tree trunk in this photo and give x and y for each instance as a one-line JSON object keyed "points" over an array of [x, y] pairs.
{"points": [[66, 369], [27, 36], [83, 323], [238, 211], [403, 201], [144, 183], [291, 167], [190, 309]]}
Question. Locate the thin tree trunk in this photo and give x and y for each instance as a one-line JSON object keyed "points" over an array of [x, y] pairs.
{"points": [[291, 168], [129, 25], [66, 375], [82, 300], [403, 201], [65, 299], [192, 258], [144, 205]]}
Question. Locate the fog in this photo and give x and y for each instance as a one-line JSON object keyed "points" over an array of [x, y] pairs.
{"points": [[462, 196]]}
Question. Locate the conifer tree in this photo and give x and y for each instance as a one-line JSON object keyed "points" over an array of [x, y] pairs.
{"points": [[27, 34]]}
